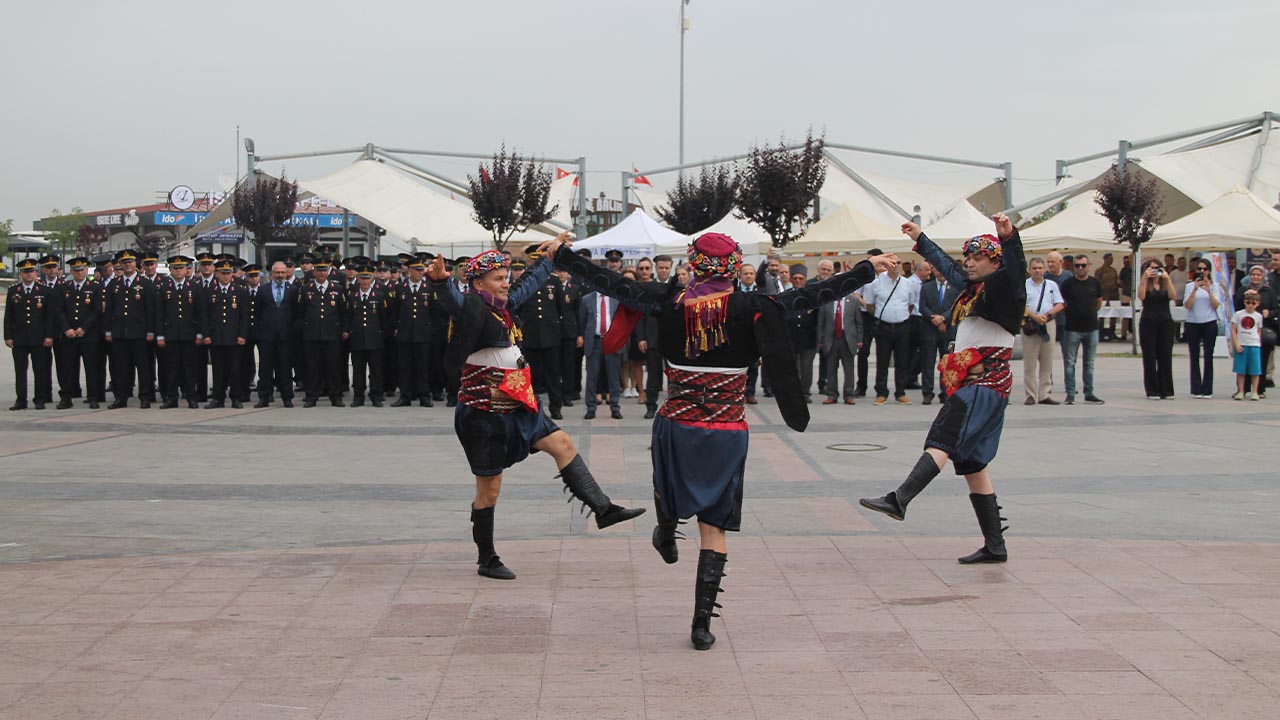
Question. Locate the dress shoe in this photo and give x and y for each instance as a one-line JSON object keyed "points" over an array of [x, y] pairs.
{"points": [[1049, 401], [19, 405], [927, 400], [64, 405], [169, 405], [121, 403], [860, 393], [1029, 401], [829, 401], [556, 415], [214, 405], [376, 402], [287, 403], [495, 569], [192, 404], [616, 414], [426, 402], [850, 401], [768, 393], [336, 402], [93, 404], [38, 405], [237, 404], [590, 415], [357, 401], [451, 402], [751, 400], [144, 404], [438, 397], [402, 401], [308, 403], [261, 404], [649, 414]]}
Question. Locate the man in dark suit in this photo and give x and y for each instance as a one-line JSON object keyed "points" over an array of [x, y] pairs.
{"points": [[178, 331], [570, 351], [253, 283], [130, 328], [204, 280], [367, 326], [647, 329], [321, 307], [225, 320], [79, 314], [276, 308], [936, 299], [29, 327], [540, 325], [839, 337], [413, 335], [802, 327], [594, 325]]}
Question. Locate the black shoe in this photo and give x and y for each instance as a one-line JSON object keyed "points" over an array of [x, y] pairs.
{"points": [[169, 405], [493, 568], [336, 402], [214, 405], [376, 402], [144, 404], [707, 591], [438, 397], [93, 404], [583, 486], [19, 405], [895, 503], [451, 402], [287, 403], [192, 404], [1049, 401], [236, 404], [926, 400], [557, 415], [308, 403], [767, 393], [567, 403], [616, 414], [590, 415], [121, 403], [426, 402], [402, 401], [887, 505], [1269, 383], [64, 405], [38, 404], [649, 414], [988, 512], [1094, 400], [665, 533], [860, 393], [261, 404], [357, 401], [1071, 400]]}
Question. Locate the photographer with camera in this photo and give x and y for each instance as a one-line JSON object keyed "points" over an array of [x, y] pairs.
{"points": [[1202, 298], [1155, 330]]}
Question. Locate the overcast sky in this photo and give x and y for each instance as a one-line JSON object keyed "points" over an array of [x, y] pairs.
{"points": [[109, 102]]}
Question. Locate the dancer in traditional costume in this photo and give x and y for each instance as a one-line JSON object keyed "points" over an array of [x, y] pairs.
{"points": [[498, 419], [975, 375], [709, 335]]}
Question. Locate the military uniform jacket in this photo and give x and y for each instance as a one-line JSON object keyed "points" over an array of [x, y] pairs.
{"points": [[802, 328], [179, 312], [573, 292], [79, 310], [413, 312], [540, 315], [29, 318], [254, 308], [224, 314], [320, 313], [131, 310], [368, 321]]}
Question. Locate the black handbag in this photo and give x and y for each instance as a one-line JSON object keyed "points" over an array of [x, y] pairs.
{"points": [[1029, 326]]}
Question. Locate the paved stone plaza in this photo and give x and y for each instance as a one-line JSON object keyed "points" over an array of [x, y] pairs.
{"points": [[317, 564]]}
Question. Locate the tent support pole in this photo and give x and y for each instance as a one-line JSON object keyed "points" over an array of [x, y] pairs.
{"points": [[580, 227], [1007, 168], [1264, 132], [626, 186], [839, 164]]}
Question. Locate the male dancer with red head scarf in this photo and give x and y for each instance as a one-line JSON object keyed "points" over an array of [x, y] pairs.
{"points": [[975, 376], [709, 335]]}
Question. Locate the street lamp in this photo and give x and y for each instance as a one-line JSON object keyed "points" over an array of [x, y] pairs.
{"points": [[684, 28]]}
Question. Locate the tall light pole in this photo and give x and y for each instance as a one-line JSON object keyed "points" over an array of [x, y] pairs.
{"points": [[684, 28]]}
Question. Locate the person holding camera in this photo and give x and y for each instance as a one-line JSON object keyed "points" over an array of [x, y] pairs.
{"points": [[1155, 330], [1201, 298], [1044, 301]]}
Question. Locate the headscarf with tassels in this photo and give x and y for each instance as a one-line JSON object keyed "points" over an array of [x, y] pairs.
{"points": [[713, 263]]}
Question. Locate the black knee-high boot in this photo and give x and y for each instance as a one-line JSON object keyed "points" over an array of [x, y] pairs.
{"points": [[665, 533], [707, 590], [988, 512], [895, 503], [577, 478], [490, 565]]}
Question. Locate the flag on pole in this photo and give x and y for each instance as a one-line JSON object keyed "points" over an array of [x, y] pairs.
{"points": [[561, 174], [640, 179]]}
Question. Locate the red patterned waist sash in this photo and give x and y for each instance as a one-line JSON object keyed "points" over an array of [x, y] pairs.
{"points": [[497, 390], [713, 397], [985, 366]]}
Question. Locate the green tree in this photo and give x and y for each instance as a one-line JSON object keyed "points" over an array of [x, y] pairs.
{"points": [[778, 186], [64, 230], [6, 232]]}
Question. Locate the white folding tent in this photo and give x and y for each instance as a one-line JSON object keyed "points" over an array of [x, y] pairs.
{"points": [[1078, 227], [1237, 220], [409, 209], [753, 240], [961, 222], [934, 200], [636, 236], [848, 232]]}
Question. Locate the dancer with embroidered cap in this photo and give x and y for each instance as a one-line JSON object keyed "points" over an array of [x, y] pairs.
{"points": [[975, 375], [498, 419], [709, 335]]}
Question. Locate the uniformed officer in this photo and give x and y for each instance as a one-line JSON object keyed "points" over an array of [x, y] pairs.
{"points": [[540, 319], [367, 322], [438, 320], [389, 281], [248, 368], [321, 306], [51, 270], [29, 328], [50, 277], [130, 328], [105, 276], [178, 332], [412, 322], [204, 280], [571, 353], [149, 266], [802, 327], [224, 314], [79, 314]]}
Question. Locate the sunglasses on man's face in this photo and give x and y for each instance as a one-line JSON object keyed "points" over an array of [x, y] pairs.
{"points": [[1082, 265], [1251, 302]]}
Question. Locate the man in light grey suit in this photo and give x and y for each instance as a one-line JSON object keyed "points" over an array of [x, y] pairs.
{"points": [[840, 336], [593, 326]]}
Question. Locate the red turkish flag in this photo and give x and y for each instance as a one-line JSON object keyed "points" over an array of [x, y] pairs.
{"points": [[561, 173], [640, 179]]}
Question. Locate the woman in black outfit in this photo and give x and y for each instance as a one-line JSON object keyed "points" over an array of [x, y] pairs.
{"points": [[1155, 330]]}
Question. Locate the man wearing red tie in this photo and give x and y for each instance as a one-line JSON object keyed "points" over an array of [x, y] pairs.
{"points": [[840, 336], [595, 317]]}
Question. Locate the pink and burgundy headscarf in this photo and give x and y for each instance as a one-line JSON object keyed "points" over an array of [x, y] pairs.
{"points": [[988, 245], [714, 259]]}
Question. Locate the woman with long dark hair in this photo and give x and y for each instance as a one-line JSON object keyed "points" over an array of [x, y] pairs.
{"points": [[1201, 298], [1155, 330]]}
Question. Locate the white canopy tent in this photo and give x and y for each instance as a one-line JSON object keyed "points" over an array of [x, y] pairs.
{"points": [[1238, 220], [1078, 227], [636, 236], [934, 200], [408, 209], [848, 232], [961, 222], [753, 240]]}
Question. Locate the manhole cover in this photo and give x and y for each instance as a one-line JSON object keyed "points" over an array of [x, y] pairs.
{"points": [[856, 447]]}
